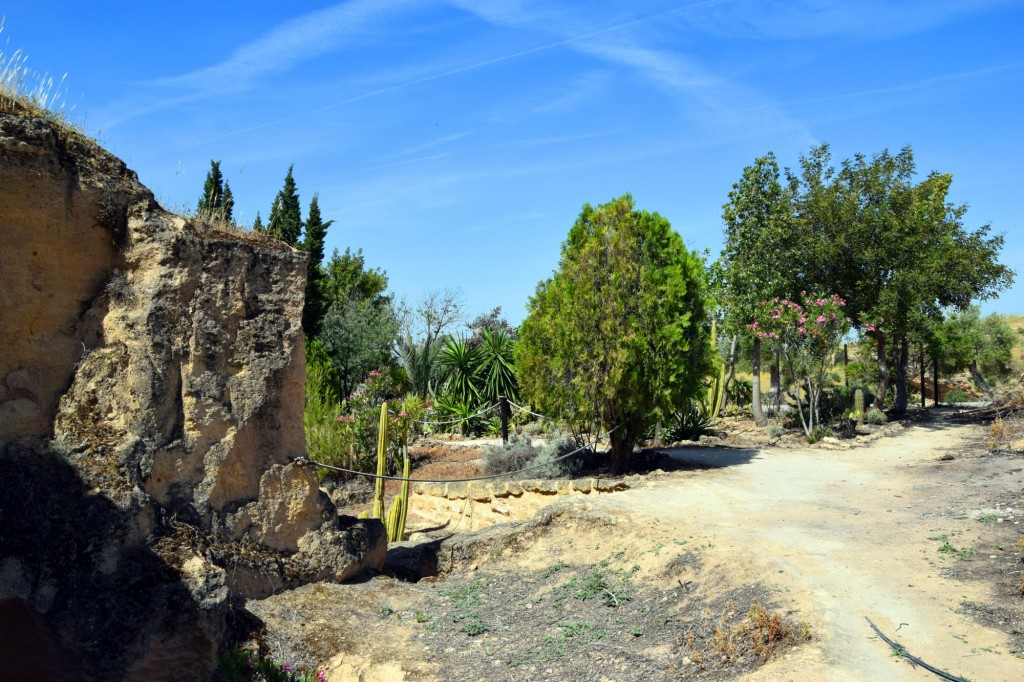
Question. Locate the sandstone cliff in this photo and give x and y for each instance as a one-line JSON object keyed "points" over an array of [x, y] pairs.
{"points": [[152, 370]]}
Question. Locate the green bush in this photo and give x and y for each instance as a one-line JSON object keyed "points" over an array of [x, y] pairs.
{"points": [[875, 416], [519, 453], [688, 424], [565, 468], [957, 396], [775, 430]]}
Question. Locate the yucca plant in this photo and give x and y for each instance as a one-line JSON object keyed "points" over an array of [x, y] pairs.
{"points": [[459, 363], [497, 376], [419, 361]]}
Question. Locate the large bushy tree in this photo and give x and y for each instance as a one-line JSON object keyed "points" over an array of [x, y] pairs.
{"points": [[616, 337], [896, 250], [981, 345]]}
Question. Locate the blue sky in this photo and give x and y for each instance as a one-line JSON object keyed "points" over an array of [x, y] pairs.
{"points": [[455, 142]]}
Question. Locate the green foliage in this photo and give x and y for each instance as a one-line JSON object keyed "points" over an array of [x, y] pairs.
{"points": [[556, 449], [360, 324], [357, 335], [317, 298], [897, 251], [808, 334], [418, 360], [958, 396], [500, 459], [687, 424], [459, 362], [213, 190], [241, 666], [617, 334], [286, 214], [462, 416], [982, 345], [326, 441], [875, 416], [495, 374]]}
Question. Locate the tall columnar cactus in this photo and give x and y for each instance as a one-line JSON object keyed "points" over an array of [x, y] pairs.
{"points": [[382, 452], [718, 382], [858, 406], [399, 510]]}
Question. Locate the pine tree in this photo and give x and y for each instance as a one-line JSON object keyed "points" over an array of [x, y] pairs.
{"points": [[316, 295], [286, 214], [227, 205], [213, 192], [257, 225]]}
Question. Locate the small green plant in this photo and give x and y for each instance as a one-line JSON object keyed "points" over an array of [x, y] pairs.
{"points": [[554, 568], [474, 628], [238, 665], [988, 518], [875, 416], [775, 430], [957, 396], [420, 616], [385, 610]]}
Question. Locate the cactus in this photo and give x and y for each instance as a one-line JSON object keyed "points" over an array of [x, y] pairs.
{"points": [[395, 522], [382, 451], [858, 406], [718, 382]]}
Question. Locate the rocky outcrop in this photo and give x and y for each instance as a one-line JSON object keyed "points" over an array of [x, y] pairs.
{"points": [[162, 359]]}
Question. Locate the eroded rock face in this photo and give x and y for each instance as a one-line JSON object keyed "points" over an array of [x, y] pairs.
{"points": [[165, 360]]}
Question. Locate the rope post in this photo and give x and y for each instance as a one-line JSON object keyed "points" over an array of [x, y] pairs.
{"points": [[503, 403]]}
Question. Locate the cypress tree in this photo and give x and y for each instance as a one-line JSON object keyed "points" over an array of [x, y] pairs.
{"points": [[257, 225], [286, 214], [227, 205], [316, 296], [213, 191]]}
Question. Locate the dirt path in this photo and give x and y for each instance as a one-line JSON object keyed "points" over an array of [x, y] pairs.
{"points": [[844, 535]]}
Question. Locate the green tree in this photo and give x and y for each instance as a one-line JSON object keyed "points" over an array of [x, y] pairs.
{"points": [[980, 345], [317, 300], [212, 198], [257, 225], [896, 251], [227, 204], [359, 327], [759, 257], [616, 337], [285, 213]]}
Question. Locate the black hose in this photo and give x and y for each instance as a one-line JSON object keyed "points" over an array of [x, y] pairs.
{"points": [[898, 648]]}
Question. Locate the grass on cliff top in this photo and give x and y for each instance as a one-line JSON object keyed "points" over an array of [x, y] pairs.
{"points": [[29, 93]]}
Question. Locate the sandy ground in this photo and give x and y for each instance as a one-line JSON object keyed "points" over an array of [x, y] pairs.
{"points": [[826, 537], [847, 535]]}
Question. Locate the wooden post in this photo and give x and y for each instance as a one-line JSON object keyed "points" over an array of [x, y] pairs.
{"points": [[503, 411]]}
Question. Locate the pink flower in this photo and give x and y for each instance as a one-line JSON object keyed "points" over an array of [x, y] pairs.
{"points": [[321, 676], [341, 418], [374, 373], [821, 318], [395, 420], [402, 414], [803, 293], [802, 330], [754, 325], [429, 404], [248, 662], [286, 667], [802, 320]]}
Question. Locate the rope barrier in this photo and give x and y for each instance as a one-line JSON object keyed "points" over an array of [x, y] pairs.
{"points": [[523, 409], [455, 480], [459, 420]]}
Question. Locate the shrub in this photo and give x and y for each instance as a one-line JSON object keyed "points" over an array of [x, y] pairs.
{"points": [[519, 453], [775, 430], [957, 396], [875, 416], [688, 424], [564, 468]]}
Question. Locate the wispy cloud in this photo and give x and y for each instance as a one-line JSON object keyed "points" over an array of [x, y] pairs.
{"points": [[296, 40], [814, 19]]}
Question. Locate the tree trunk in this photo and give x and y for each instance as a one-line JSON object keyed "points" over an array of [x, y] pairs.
{"points": [[980, 382], [775, 380], [901, 377], [730, 373], [935, 379], [621, 448], [923, 387], [883, 373], [755, 400]]}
